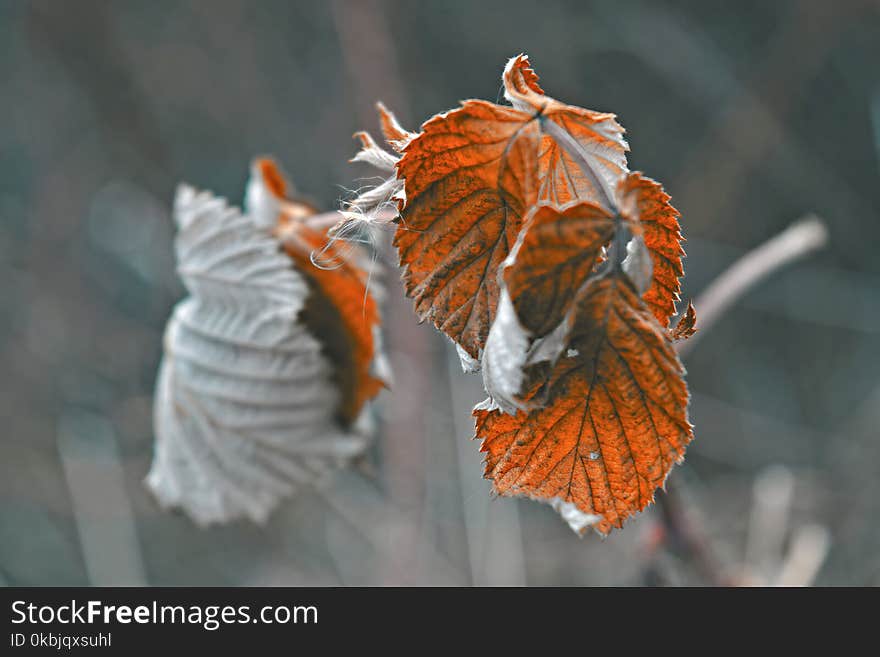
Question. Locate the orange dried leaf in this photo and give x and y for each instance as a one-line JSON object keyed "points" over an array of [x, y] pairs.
{"points": [[615, 422], [687, 325], [599, 138], [271, 175], [520, 79], [643, 201], [344, 315], [469, 179], [593, 156], [341, 312], [557, 250], [367, 141], [395, 134], [270, 194]]}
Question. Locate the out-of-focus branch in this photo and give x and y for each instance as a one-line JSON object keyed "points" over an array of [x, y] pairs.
{"points": [[809, 547], [686, 537], [802, 237], [751, 115], [766, 560], [104, 519], [773, 493]]}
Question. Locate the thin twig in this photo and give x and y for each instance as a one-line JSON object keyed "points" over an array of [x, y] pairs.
{"points": [[802, 237], [750, 117], [686, 536]]}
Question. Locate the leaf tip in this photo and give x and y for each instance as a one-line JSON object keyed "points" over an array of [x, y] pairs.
{"points": [[521, 85], [687, 325]]}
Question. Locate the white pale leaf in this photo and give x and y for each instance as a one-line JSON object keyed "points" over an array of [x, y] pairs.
{"points": [[505, 355], [245, 407], [372, 154], [509, 349], [381, 366], [469, 365], [638, 264], [576, 519]]}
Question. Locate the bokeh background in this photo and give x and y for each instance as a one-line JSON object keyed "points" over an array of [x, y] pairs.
{"points": [[751, 113]]}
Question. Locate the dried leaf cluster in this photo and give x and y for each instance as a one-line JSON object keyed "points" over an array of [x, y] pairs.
{"points": [[555, 270], [522, 236]]}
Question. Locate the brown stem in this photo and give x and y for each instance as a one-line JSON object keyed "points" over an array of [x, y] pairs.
{"points": [[685, 537]]}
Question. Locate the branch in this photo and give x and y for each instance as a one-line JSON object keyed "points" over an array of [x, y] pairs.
{"points": [[802, 237], [686, 537]]}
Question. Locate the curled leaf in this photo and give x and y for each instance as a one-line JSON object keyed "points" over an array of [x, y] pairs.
{"points": [[521, 85], [505, 356], [376, 205], [637, 264], [341, 310], [643, 202], [256, 396], [557, 250], [687, 324], [395, 134]]}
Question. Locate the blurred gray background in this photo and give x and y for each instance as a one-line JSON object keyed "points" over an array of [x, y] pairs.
{"points": [[751, 114]]}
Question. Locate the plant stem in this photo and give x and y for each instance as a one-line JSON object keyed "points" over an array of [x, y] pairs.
{"points": [[686, 537], [800, 238]]}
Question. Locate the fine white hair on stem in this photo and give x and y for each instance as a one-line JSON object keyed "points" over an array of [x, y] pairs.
{"points": [[355, 233], [799, 239], [374, 205]]}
